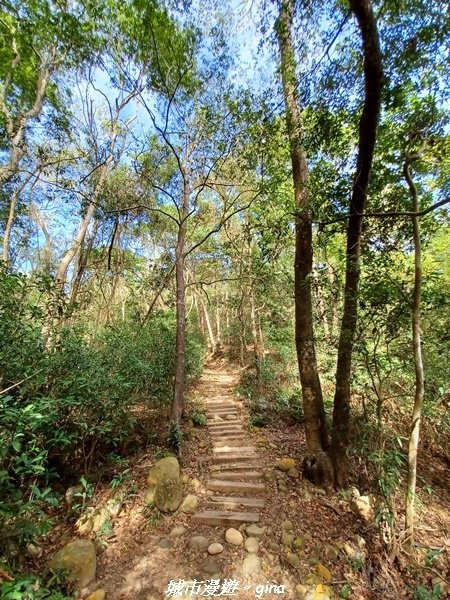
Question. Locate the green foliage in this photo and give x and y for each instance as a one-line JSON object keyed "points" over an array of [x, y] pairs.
{"points": [[423, 593], [31, 587], [174, 436], [199, 418], [72, 397]]}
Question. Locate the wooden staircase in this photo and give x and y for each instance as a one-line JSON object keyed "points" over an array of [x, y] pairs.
{"points": [[236, 486]]}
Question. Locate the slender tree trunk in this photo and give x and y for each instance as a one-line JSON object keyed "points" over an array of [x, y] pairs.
{"points": [[34, 211], [418, 365], [11, 216], [212, 341], [368, 124], [315, 423], [16, 126], [180, 344], [218, 327], [255, 332]]}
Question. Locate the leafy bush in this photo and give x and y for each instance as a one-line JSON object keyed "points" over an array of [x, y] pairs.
{"points": [[69, 395]]}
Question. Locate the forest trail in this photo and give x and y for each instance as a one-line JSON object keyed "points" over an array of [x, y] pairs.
{"points": [[225, 463], [235, 481]]}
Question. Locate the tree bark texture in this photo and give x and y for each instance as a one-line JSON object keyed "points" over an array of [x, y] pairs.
{"points": [[315, 423], [180, 343], [368, 125], [418, 366]]}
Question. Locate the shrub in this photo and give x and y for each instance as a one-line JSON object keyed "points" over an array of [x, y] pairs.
{"points": [[71, 395]]}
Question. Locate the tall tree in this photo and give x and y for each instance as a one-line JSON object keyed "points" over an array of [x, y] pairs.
{"points": [[368, 124], [315, 423]]}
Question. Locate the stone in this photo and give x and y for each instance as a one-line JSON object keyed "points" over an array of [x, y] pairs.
{"points": [[297, 544], [97, 595], [251, 544], [177, 531], [166, 467], [251, 564], [349, 551], [203, 444], [313, 592], [255, 531], [301, 591], [361, 505], [71, 493], [274, 547], [269, 476], [215, 548], [293, 560], [294, 473], [282, 487], [305, 496], [168, 494], [185, 478], [212, 567], [195, 483], [234, 537], [284, 464], [198, 542], [189, 504], [287, 539], [320, 491], [78, 561], [34, 550], [230, 417], [242, 527], [312, 579], [323, 573], [165, 543], [287, 525]]}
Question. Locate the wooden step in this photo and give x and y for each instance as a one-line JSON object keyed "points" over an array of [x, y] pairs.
{"points": [[225, 519], [231, 449], [217, 485], [221, 458], [220, 433], [235, 501], [220, 442], [245, 475], [235, 467], [224, 424]]}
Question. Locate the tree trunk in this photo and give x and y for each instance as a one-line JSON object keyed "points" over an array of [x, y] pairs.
{"points": [[418, 365], [368, 124], [180, 344], [315, 423], [11, 216], [212, 341]]}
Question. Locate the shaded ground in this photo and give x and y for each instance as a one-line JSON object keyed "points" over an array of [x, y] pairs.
{"points": [[131, 565]]}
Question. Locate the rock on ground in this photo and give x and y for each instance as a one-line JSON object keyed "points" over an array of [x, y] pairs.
{"points": [[215, 548], [251, 564], [233, 536], [255, 531], [189, 504], [166, 467], [168, 494], [97, 595], [198, 542], [251, 544], [78, 560], [284, 464]]}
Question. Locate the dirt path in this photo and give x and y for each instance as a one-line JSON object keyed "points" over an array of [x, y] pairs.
{"points": [[302, 545], [223, 467]]}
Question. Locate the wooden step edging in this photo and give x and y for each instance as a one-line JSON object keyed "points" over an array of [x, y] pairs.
{"points": [[221, 518]]}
